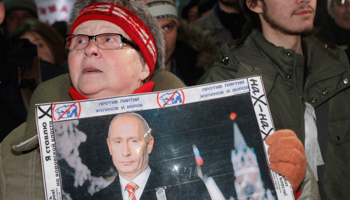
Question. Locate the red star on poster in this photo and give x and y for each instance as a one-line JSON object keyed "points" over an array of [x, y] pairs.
{"points": [[52, 8]]}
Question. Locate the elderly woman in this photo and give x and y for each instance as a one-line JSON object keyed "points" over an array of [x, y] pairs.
{"points": [[115, 48]]}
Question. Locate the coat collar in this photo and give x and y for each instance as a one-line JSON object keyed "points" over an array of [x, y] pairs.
{"points": [[322, 63], [147, 87]]}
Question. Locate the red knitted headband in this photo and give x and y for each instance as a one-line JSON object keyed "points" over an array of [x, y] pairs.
{"points": [[125, 19]]}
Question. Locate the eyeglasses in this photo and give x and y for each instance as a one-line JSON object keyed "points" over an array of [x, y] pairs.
{"points": [[341, 3], [106, 41]]}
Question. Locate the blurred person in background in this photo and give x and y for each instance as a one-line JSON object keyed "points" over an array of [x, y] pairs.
{"points": [[189, 50], [21, 72], [96, 72], [339, 10], [225, 22], [50, 44], [205, 6], [17, 11], [336, 31], [61, 28], [196, 9], [190, 11]]}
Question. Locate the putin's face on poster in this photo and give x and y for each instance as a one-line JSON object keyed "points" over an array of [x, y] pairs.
{"points": [[129, 142]]}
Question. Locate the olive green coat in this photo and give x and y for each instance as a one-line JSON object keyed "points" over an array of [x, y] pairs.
{"points": [[282, 70]]}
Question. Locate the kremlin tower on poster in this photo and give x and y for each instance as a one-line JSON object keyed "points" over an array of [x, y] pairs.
{"points": [[248, 183]]}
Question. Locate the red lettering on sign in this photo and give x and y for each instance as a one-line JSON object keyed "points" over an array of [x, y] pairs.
{"points": [[52, 8], [42, 11]]}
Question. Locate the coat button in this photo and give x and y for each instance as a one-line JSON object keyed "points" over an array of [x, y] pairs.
{"points": [[346, 81], [288, 76], [325, 92], [325, 45], [313, 100], [291, 91], [337, 138], [289, 54], [224, 60]]}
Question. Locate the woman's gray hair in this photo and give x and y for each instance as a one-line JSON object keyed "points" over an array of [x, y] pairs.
{"points": [[141, 11]]}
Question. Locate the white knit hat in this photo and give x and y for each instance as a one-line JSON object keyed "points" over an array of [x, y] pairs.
{"points": [[162, 9]]}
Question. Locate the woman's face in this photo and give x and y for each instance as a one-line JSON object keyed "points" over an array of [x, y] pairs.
{"points": [[42, 47], [98, 73]]}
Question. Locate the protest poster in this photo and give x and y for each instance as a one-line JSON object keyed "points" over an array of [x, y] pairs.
{"points": [[51, 11], [208, 143]]}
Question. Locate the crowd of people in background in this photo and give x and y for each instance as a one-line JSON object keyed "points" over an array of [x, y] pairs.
{"points": [[31, 52], [214, 40], [192, 39]]}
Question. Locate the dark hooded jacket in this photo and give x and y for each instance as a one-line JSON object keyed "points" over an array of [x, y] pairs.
{"points": [[15, 53], [194, 53]]}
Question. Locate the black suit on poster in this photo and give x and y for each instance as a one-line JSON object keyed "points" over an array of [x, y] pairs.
{"points": [[173, 190]]}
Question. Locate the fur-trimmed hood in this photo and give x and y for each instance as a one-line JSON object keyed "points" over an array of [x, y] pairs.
{"points": [[201, 41]]}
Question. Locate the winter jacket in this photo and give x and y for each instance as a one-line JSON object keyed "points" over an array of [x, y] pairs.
{"points": [[282, 70], [334, 35], [194, 53], [15, 55], [12, 54], [212, 23], [20, 164]]}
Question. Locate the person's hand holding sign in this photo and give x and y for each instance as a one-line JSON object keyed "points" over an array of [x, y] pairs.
{"points": [[287, 156]]}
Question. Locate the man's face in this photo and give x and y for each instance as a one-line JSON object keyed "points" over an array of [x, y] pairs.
{"points": [[15, 18], [169, 28], [340, 11], [288, 17], [128, 147]]}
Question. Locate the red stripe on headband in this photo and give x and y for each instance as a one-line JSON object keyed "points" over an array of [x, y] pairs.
{"points": [[125, 19]]}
